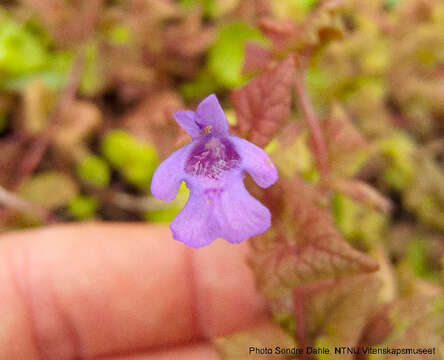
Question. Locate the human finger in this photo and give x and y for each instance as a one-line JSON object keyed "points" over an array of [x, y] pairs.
{"points": [[79, 291]]}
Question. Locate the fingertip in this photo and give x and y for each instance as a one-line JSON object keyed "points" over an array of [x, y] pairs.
{"points": [[228, 299]]}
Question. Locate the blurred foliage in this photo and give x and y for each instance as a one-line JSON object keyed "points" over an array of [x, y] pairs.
{"points": [[225, 57], [94, 171], [167, 214], [82, 207], [87, 93], [25, 54], [135, 160], [50, 189]]}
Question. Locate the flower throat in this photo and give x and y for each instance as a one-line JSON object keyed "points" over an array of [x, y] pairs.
{"points": [[212, 157]]}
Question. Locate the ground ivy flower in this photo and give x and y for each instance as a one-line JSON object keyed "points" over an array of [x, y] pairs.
{"points": [[213, 167]]}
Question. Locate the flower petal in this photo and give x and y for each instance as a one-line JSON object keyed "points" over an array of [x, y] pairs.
{"points": [[241, 216], [195, 224], [209, 112], [232, 214], [169, 175], [186, 119], [256, 162]]}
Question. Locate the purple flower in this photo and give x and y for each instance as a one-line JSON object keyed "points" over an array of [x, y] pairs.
{"points": [[213, 167]]}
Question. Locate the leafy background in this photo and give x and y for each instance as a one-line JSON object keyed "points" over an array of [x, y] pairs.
{"points": [[347, 97]]}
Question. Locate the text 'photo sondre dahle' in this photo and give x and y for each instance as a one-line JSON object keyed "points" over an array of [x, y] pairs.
{"points": [[339, 350]]}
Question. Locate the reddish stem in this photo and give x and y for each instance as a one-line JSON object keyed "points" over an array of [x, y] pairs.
{"points": [[312, 122], [12, 201], [299, 315], [38, 147]]}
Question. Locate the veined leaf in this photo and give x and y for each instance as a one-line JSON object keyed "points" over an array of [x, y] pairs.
{"points": [[347, 148], [309, 248], [263, 105]]}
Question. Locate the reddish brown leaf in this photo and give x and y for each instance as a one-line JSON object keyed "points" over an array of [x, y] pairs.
{"points": [[345, 145], [62, 18], [306, 247], [321, 26], [263, 105], [341, 131], [77, 121], [277, 30], [153, 121], [316, 30], [330, 313], [257, 59], [339, 315], [12, 151], [189, 38], [414, 322], [377, 329]]}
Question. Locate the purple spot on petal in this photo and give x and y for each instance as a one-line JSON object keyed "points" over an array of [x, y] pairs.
{"points": [[212, 157], [213, 194]]}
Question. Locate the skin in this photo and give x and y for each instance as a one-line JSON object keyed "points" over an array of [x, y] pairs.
{"points": [[120, 292]]}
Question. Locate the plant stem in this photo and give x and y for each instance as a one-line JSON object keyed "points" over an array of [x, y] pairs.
{"points": [[299, 315], [12, 201], [312, 122], [38, 147]]}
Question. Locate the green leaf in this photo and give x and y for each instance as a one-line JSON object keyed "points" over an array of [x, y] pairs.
{"points": [[114, 146], [209, 6], [357, 221], [290, 165], [141, 164], [119, 35], [135, 160], [82, 207], [417, 257], [25, 55], [226, 56], [345, 212], [20, 50], [161, 215], [54, 75], [399, 150], [200, 86], [392, 3], [166, 215], [318, 84], [92, 77], [295, 9], [49, 189], [94, 171], [136, 173]]}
